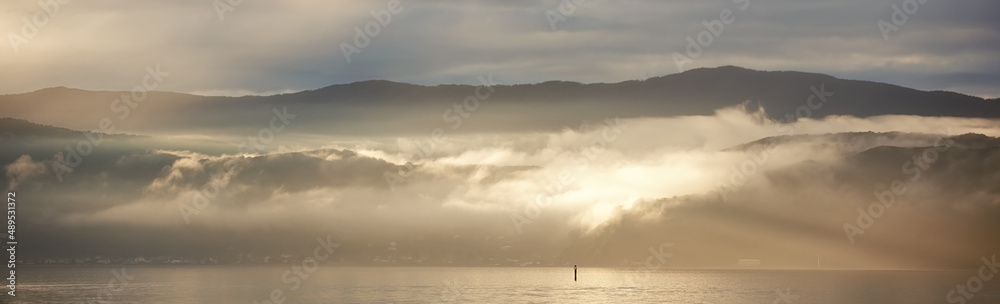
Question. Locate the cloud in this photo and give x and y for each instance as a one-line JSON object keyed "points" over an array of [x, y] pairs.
{"points": [[295, 45], [23, 169], [476, 185]]}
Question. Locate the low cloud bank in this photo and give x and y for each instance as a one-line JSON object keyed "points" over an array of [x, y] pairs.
{"points": [[600, 190]]}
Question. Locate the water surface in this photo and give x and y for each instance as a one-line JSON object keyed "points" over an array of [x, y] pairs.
{"points": [[328, 284]]}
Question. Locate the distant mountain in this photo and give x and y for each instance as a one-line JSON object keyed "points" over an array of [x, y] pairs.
{"points": [[390, 108], [11, 128], [860, 141], [20, 137]]}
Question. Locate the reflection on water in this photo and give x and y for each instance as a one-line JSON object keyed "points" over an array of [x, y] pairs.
{"points": [[232, 284]]}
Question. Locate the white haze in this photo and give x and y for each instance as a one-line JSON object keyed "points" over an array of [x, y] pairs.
{"points": [[466, 182]]}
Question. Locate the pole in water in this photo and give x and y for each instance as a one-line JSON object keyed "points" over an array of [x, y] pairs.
{"points": [[574, 272]]}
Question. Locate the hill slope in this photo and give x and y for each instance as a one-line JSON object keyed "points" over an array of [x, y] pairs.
{"points": [[389, 108]]}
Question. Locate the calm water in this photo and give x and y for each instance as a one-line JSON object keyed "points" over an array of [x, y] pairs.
{"points": [[232, 284]]}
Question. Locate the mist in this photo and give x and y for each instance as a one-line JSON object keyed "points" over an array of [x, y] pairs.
{"points": [[709, 184]]}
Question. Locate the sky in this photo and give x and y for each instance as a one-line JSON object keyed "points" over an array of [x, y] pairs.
{"points": [[231, 47], [532, 192]]}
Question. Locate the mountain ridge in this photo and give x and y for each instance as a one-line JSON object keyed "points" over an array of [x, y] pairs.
{"points": [[725, 68], [380, 107]]}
